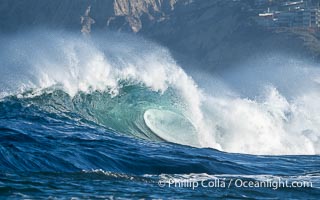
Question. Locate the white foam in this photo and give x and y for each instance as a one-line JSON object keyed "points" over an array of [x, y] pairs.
{"points": [[270, 126]]}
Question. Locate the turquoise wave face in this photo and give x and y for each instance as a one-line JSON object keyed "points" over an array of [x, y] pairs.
{"points": [[136, 110]]}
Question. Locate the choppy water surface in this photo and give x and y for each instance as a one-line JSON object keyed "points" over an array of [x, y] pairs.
{"points": [[113, 116]]}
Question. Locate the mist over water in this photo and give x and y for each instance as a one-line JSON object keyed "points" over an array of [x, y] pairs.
{"points": [[273, 107], [265, 106]]}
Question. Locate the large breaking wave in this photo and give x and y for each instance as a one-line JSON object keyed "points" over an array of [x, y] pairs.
{"points": [[135, 87]]}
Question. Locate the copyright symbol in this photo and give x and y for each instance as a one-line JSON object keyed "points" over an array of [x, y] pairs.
{"points": [[161, 183]]}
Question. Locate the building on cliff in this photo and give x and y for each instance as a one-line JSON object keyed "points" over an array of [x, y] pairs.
{"points": [[292, 14]]}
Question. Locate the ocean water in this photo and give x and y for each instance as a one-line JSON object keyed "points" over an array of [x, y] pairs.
{"points": [[113, 116]]}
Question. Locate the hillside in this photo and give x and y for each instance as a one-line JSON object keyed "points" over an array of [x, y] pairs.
{"points": [[212, 34]]}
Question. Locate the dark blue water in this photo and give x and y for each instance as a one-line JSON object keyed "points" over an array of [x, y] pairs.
{"points": [[44, 154]]}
